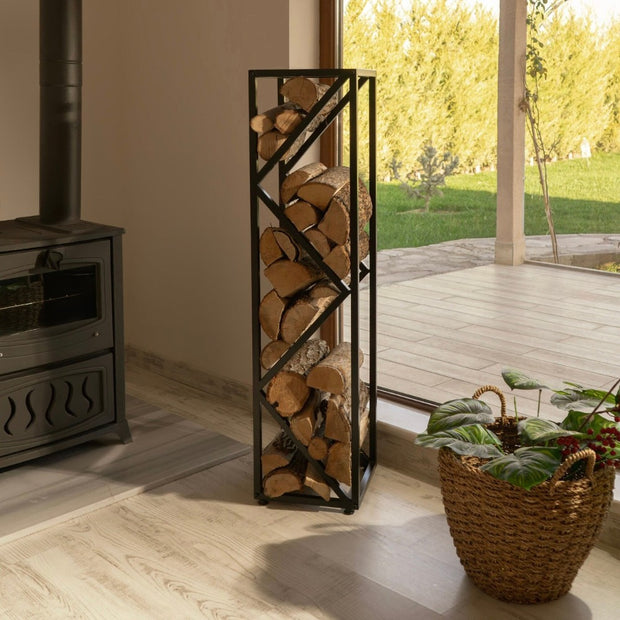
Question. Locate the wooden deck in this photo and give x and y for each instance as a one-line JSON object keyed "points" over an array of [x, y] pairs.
{"points": [[442, 336]]}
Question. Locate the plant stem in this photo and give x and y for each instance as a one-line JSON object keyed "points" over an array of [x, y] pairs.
{"points": [[589, 417]]}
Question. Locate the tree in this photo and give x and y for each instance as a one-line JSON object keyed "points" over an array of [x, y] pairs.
{"points": [[427, 181]]}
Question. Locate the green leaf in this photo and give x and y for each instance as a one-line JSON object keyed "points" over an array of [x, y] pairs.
{"points": [[579, 399], [516, 380], [575, 419], [540, 430], [473, 440], [459, 412], [525, 467]]}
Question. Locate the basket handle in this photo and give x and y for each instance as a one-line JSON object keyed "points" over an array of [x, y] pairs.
{"points": [[587, 453], [502, 399]]}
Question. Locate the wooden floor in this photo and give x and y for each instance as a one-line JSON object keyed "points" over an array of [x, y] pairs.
{"points": [[200, 547], [442, 336]]}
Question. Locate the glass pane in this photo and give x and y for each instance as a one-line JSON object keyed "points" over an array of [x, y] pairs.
{"points": [[48, 300]]}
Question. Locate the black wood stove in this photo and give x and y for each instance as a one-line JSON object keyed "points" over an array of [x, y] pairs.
{"points": [[61, 313]]}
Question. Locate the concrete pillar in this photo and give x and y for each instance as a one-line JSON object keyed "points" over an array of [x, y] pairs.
{"points": [[510, 235]]}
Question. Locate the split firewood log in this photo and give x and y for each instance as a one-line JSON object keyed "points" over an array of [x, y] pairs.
{"points": [[302, 423], [300, 314], [319, 241], [297, 178], [338, 464], [333, 374], [288, 119], [318, 448], [324, 288], [336, 223], [321, 189], [278, 453], [289, 277], [287, 392], [314, 480], [319, 444], [286, 479], [338, 418], [270, 311], [337, 412], [305, 92], [272, 352], [302, 215], [287, 244], [266, 121], [338, 260], [268, 247], [269, 142]]}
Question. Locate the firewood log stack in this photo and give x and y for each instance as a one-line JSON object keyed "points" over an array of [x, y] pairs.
{"points": [[275, 125], [312, 391], [300, 290]]}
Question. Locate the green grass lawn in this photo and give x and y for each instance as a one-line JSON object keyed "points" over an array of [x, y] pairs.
{"points": [[584, 199]]}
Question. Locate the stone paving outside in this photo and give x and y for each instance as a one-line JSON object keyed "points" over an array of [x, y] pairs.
{"points": [[398, 265]]}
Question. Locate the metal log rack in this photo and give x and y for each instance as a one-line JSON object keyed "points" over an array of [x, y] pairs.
{"points": [[349, 85]]}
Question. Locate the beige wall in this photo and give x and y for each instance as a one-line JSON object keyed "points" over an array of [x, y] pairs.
{"points": [[19, 108], [165, 155]]}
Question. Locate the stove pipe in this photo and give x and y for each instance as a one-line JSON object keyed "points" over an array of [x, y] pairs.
{"points": [[60, 138]]}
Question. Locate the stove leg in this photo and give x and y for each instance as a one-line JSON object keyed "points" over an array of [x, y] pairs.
{"points": [[124, 433]]}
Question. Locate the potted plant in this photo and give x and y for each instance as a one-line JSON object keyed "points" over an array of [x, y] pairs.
{"points": [[525, 497]]}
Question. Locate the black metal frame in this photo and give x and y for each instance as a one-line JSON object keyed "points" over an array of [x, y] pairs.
{"points": [[362, 465]]}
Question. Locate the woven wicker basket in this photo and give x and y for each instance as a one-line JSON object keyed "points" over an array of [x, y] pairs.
{"points": [[523, 546]]}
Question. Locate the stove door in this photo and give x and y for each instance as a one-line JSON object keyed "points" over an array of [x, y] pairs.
{"points": [[55, 304]]}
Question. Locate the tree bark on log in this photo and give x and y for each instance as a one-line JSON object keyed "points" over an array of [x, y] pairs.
{"points": [[286, 479], [297, 178], [308, 356], [287, 392], [333, 374], [289, 277], [270, 311]]}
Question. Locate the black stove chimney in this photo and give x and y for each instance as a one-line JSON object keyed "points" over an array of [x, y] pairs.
{"points": [[60, 76]]}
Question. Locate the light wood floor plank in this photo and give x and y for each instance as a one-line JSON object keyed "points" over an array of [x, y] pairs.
{"points": [[561, 324]]}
